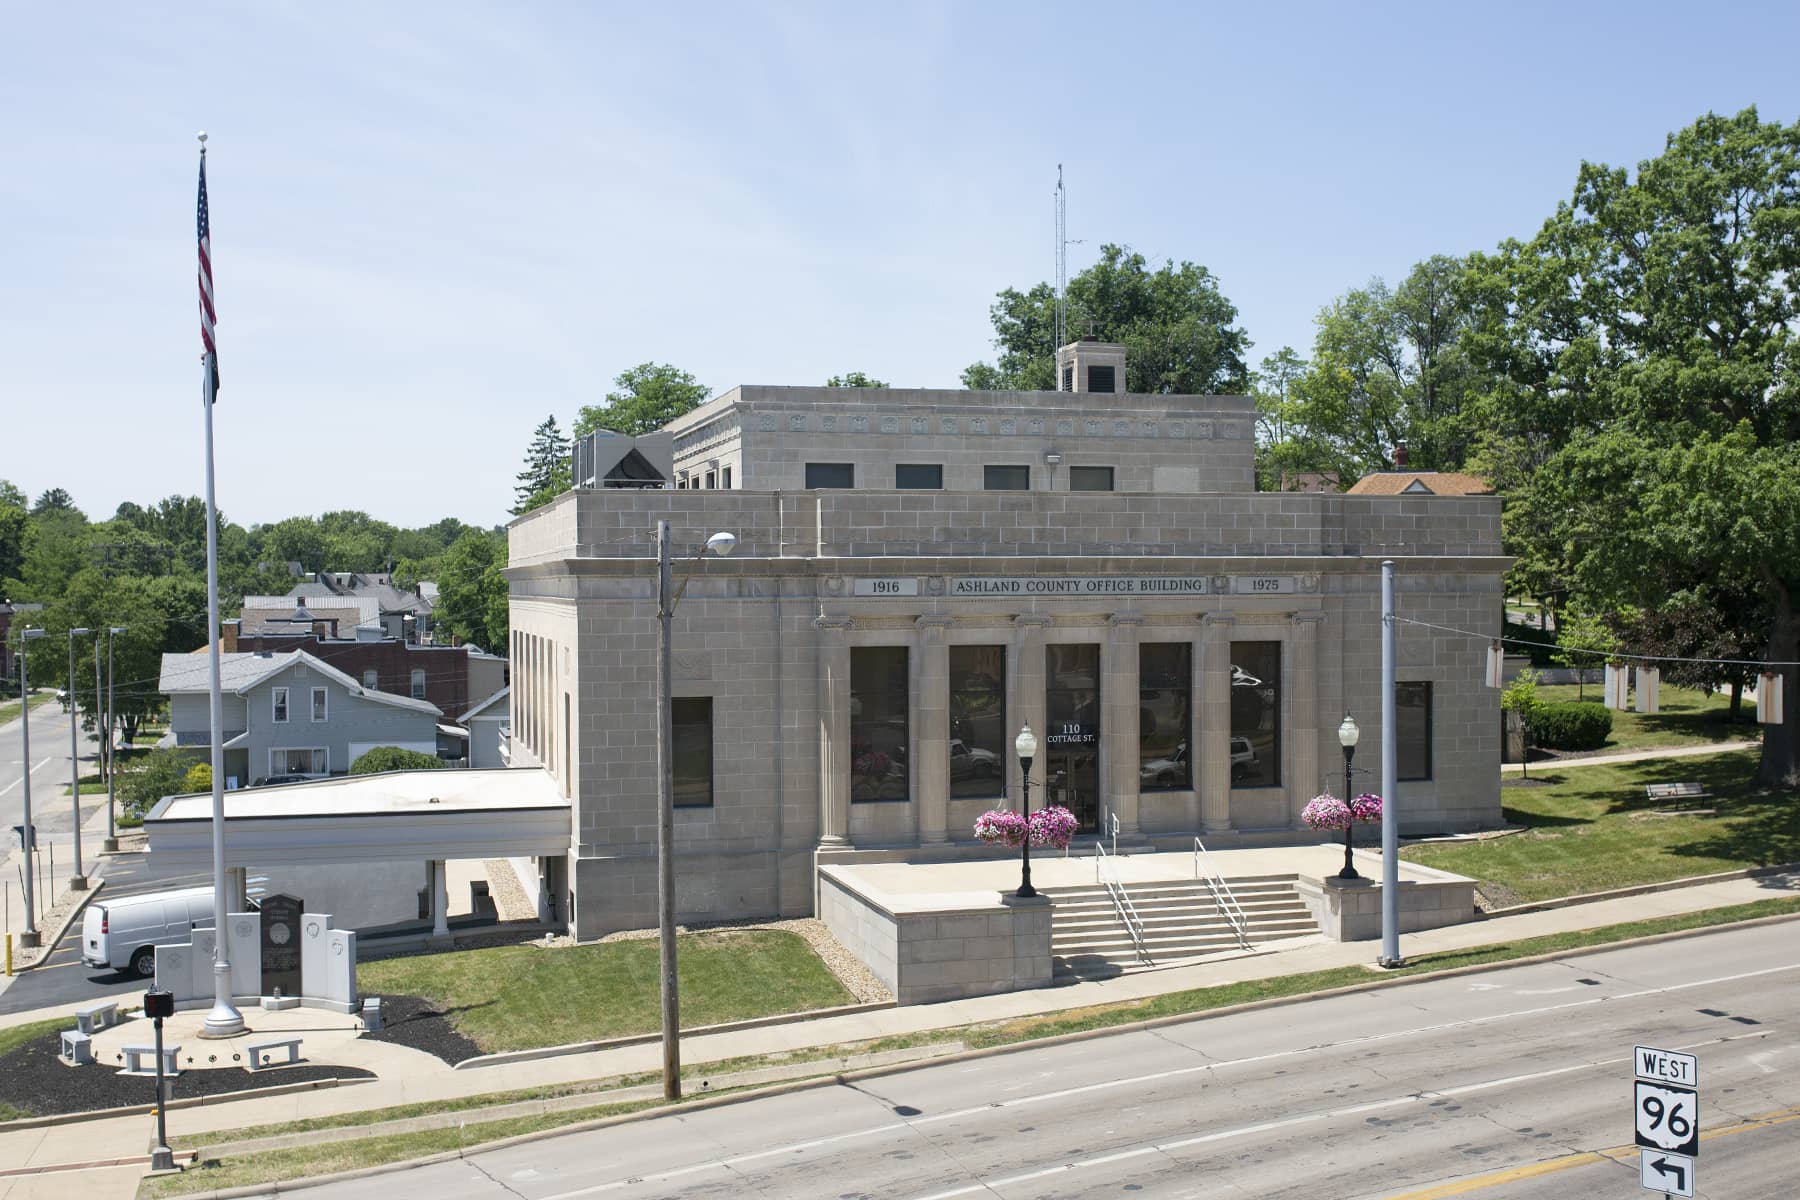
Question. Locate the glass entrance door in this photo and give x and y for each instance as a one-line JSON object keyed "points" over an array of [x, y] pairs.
{"points": [[1073, 711]]}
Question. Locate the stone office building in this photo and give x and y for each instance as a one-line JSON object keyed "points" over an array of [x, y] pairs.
{"points": [[918, 573]]}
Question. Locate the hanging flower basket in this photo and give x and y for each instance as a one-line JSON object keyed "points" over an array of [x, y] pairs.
{"points": [[1053, 826], [1001, 827], [1326, 811]]}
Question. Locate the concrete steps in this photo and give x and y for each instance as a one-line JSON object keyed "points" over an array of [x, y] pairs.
{"points": [[1179, 920]]}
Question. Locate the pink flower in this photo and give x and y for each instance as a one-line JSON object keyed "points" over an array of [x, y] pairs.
{"points": [[1002, 826], [1326, 811], [1052, 826]]}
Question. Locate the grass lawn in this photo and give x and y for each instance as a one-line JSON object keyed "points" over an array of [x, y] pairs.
{"points": [[519, 997], [11, 1039], [1688, 718], [1591, 828]]}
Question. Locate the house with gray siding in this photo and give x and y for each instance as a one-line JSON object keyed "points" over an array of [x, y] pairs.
{"points": [[289, 714]]}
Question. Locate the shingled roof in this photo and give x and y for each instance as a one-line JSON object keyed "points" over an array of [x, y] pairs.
{"points": [[1420, 483]]}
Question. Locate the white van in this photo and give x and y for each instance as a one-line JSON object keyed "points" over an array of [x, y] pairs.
{"points": [[123, 934]]}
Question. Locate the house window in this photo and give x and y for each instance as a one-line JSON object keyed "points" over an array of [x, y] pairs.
{"points": [[725, 478], [1068, 378], [1006, 479], [289, 761], [418, 685], [1412, 730], [1100, 379], [830, 475], [878, 723], [1256, 714], [692, 751], [319, 705], [925, 476], [977, 721], [371, 680], [1090, 479], [1165, 685], [279, 698], [712, 480]]}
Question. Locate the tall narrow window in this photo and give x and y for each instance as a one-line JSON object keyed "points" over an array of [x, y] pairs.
{"points": [[318, 704], [725, 478], [712, 481], [1164, 728], [371, 680], [418, 685], [977, 720], [1412, 730], [279, 701], [1256, 714], [1006, 478], [692, 751], [878, 723], [1072, 729]]}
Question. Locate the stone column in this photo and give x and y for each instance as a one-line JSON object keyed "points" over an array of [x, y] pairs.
{"points": [[1119, 752], [1025, 702], [931, 699], [834, 730], [1213, 767], [1304, 707], [440, 899]]}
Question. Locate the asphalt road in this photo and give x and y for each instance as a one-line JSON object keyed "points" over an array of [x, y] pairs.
{"points": [[1497, 1085], [51, 811]]}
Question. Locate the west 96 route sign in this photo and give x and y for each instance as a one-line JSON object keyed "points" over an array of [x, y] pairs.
{"points": [[1666, 1114]]}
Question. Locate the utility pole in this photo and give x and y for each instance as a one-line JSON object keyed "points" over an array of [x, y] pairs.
{"points": [[111, 844], [27, 839], [78, 880]]}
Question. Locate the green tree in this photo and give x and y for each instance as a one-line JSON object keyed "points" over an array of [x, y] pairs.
{"points": [[1520, 696], [546, 473], [1177, 327], [355, 541], [393, 758], [1585, 637], [472, 593], [649, 396], [1273, 389], [855, 379], [15, 530], [53, 500], [1648, 409], [295, 539]]}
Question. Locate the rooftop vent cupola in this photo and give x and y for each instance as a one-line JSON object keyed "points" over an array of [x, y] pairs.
{"points": [[1091, 365]]}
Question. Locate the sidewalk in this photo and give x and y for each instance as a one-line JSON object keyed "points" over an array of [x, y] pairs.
{"points": [[411, 1076], [1605, 760]]}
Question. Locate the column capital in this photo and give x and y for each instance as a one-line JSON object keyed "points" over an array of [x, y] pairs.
{"points": [[933, 622], [1030, 620], [1218, 618], [834, 624], [1128, 619], [1311, 616]]}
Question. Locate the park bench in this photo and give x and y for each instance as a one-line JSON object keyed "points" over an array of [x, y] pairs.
{"points": [[1675, 791], [137, 1056], [101, 1014], [77, 1048], [260, 1052]]}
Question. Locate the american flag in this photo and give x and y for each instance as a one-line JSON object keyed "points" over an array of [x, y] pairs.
{"points": [[204, 225]]}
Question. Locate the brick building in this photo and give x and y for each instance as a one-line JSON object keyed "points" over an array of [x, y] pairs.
{"points": [[455, 678]]}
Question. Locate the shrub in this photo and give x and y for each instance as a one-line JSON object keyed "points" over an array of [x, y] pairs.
{"points": [[157, 774], [393, 758], [1572, 725], [198, 778]]}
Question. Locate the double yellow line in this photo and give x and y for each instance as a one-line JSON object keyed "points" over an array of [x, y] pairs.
{"points": [[1618, 1154]]}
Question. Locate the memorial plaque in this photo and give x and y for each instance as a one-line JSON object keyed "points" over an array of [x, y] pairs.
{"points": [[281, 945]]}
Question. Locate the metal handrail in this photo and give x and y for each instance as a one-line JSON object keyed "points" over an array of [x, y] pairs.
{"points": [[1223, 900], [1127, 911]]}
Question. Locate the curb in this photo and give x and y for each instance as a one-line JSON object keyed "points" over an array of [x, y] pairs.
{"points": [[49, 946], [641, 1039], [1641, 889], [249, 1191], [126, 1110]]}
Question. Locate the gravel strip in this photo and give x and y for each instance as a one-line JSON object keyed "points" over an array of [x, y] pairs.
{"points": [[503, 888]]}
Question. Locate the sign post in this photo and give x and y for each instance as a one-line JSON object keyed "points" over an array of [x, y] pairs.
{"points": [[1666, 1117]]}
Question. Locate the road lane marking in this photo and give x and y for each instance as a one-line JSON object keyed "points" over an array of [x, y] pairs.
{"points": [[1619, 1154], [42, 763], [791, 1148]]}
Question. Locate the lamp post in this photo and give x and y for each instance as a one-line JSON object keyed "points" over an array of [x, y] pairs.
{"points": [[1347, 735], [77, 881], [667, 597], [158, 1004], [1026, 745], [28, 838], [111, 844]]}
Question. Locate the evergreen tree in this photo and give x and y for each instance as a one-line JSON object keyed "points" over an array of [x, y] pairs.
{"points": [[546, 470]]}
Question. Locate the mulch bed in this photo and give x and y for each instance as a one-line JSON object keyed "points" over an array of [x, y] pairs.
{"points": [[415, 1022], [34, 1078]]}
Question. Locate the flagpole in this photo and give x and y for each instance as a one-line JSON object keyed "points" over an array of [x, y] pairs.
{"points": [[224, 1020]]}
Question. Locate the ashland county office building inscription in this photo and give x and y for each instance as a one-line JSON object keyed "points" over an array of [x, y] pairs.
{"points": [[918, 573]]}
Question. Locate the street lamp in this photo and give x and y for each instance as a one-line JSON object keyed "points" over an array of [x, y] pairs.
{"points": [[1347, 735], [667, 597], [1026, 744], [77, 881], [28, 832], [111, 844]]}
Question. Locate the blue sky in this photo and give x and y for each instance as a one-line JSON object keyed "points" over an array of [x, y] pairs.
{"points": [[435, 224]]}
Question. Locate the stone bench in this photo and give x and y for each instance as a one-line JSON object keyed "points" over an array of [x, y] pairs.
{"points": [[260, 1052], [77, 1048], [101, 1014], [137, 1056]]}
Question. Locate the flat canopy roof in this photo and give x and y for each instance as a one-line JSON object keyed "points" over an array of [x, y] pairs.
{"points": [[450, 813]]}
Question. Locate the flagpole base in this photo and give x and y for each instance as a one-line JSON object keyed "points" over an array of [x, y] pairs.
{"points": [[223, 1021]]}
